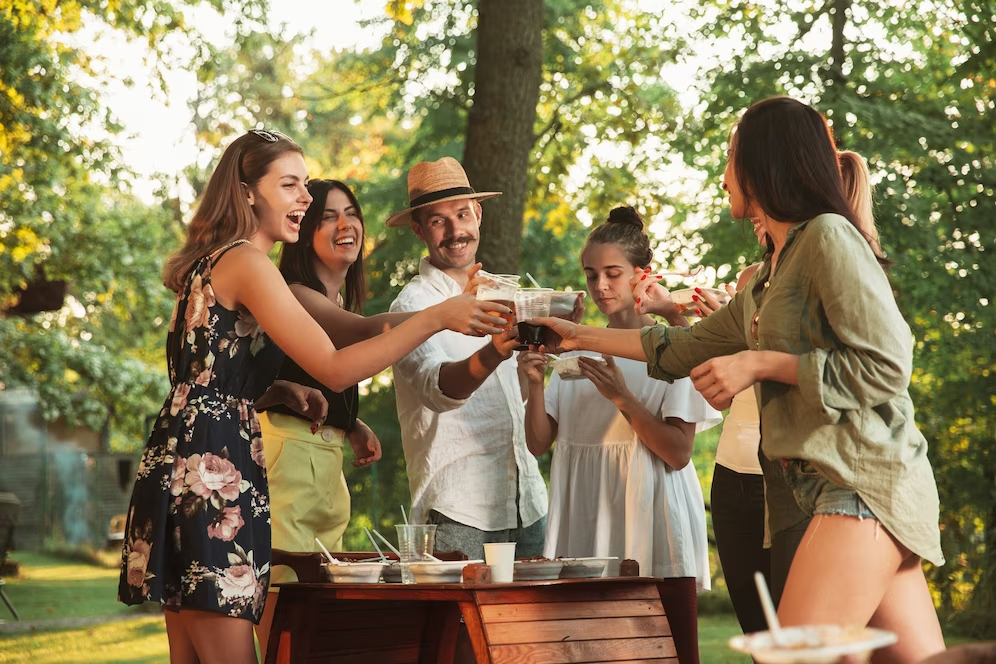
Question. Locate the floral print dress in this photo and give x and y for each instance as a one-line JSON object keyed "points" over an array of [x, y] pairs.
{"points": [[198, 533]]}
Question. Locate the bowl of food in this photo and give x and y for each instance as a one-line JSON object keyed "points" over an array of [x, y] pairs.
{"points": [[812, 644], [440, 571], [687, 306], [348, 572], [537, 569], [583, 568], [392, 573], [568, 368]]}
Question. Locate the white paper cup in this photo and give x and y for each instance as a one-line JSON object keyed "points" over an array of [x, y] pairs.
{"points": [[500, 557]]}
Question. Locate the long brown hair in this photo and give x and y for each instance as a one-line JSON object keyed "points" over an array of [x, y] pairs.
{"points": [[857, 188], [224, 214], [297, 260], [786, 164]]}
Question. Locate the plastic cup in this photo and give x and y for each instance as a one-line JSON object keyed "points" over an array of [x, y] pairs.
{"points": [[414, 541], [568, 305], [500, 557], [500, 288], [531, 303]]}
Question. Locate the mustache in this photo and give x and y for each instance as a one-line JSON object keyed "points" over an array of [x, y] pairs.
{"points": [[457, 240]]}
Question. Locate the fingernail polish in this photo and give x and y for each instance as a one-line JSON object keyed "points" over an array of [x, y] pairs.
{"points": [[698, 290], [699, 312], [638, 300], [314, 429], [695, 298], [643, 277]]}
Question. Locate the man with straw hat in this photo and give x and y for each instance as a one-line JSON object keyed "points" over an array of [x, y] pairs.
{"points": [[459, 401]]}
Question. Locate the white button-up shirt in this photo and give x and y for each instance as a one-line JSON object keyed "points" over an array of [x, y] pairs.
{"points": [[466, 457]]}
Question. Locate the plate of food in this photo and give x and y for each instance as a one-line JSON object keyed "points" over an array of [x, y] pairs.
{"points": [[568, 368], [349, 572], [687, 306], [813, 644], [584, 568], [440, 571], [537, 569]]}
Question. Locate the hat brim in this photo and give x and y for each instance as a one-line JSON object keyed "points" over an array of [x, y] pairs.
{"points": [[404, 218]]}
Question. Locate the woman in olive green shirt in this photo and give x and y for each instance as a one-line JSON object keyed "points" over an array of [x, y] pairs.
{"points": [[818, 330]]}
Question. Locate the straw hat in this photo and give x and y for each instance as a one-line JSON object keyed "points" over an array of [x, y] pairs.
{"points": [[431, 182]]}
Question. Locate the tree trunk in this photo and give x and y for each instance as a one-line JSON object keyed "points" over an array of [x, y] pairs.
{"points": [[500, 125], [839, 19]]}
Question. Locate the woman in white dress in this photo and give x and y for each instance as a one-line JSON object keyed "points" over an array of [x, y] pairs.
{"points": [[622, 483]]}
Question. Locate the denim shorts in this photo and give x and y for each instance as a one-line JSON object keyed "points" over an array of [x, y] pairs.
{"points": [[816, 494]]}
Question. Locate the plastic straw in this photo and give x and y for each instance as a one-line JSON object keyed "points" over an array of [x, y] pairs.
{"points": [[403, 515], [533, 281], [383, 558], [327, 554], [389, 545], [774, 626]]}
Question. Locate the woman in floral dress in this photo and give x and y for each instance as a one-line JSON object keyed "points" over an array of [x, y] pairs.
{"points": [[198, 533]]}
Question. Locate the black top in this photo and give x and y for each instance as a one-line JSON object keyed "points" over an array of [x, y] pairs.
{"points": [[343, 406]]}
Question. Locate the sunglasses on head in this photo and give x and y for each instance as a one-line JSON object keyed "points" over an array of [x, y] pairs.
{"points": [[266, 135]]}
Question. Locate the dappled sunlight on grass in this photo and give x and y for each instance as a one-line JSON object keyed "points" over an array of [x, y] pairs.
{"points": [[142, 640]]}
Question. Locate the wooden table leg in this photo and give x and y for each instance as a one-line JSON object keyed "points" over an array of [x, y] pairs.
{"points": [[439, 638], [475, 629]]}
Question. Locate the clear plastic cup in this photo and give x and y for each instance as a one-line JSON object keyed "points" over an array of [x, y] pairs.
{"points": [[414, 542], [500, 288], [531, 303]]}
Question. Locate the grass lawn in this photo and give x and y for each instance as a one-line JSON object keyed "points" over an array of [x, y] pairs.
{"points": [[51, 588]]}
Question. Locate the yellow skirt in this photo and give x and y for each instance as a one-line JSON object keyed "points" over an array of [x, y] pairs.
{"points": [[308, 493]]}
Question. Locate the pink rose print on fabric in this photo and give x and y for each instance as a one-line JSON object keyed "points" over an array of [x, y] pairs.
{"points": [[211, 473], [177, 478], [237, 582], [179, 401], [201, 298], [256, 451], [138, 562], [227, 524]]}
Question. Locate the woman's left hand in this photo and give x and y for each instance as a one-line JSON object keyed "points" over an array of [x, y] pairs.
{"points": [[720, 379], [365, 444], [308, 402], [607, 378]]}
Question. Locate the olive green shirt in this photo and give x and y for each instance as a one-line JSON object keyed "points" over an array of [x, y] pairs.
{"points": [[831, 304]]}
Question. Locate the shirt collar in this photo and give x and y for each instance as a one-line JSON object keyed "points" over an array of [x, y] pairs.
{"points": [[438, 279]]}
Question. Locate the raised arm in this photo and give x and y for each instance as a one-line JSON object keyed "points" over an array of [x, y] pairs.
{"points": [[253, 281], [541, 429], [345, 327]]}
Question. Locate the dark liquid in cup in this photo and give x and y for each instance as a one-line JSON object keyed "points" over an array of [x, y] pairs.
{"points": [[530, 334]]}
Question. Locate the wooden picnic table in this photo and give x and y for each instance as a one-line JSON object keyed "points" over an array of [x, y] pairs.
{"points": [[622, 619]]}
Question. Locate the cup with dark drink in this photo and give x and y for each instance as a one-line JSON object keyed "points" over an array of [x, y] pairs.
{"points": [[500, 288], [531, 303]]}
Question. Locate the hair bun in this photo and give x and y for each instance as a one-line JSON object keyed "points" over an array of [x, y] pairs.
{"points": [[625, 215]]}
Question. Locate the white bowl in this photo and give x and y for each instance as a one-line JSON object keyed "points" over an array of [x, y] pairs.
{"points": [[346, 572], [445, 571], [813, 644], [583, 568], [537, 570], [687, 306], [568, 368]]}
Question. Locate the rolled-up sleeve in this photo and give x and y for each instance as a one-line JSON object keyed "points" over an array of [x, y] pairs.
{"points": [[874, 359], [672, 352], [420, 369]]}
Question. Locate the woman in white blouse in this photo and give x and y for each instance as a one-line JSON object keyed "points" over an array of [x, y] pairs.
{"points": [[622, 483]]}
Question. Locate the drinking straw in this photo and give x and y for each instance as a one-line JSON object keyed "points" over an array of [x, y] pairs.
{"points": [[534, 282], [774, 626], [403, 515], [389, 545], [329, 555], [383, 558]]}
